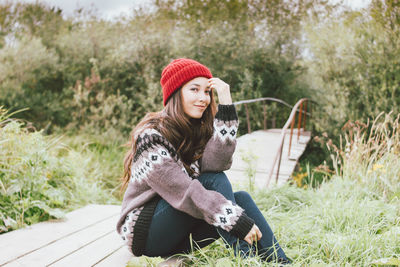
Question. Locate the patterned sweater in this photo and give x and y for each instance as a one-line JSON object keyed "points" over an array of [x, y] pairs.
{"points": [[158, 172]]}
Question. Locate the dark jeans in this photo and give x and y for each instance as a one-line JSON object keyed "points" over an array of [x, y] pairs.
{"points": [[170, 229]]}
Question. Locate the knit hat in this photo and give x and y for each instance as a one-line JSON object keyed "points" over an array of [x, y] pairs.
{"points": [[179, 72]]}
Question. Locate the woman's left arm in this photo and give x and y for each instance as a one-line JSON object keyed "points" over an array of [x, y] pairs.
{"points": [[218, 152]]}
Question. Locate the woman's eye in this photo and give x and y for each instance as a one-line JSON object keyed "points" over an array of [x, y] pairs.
{"points": [[207, 92], [194, 89]]}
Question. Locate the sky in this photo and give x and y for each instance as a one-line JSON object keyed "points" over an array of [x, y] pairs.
{"points": [[109, 9]]}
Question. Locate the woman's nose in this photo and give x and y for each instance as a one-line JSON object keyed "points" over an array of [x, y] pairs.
{"points": [[203, 96]]}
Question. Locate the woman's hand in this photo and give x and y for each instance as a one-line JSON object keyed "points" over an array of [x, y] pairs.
{"points": [[223, 90], [253, 235]]}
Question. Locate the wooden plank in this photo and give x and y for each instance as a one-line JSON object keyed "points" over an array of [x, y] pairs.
{"points": [[93, 253], [16, 244], [119, 257], [67, 245], [267, 144], [261, 148]]}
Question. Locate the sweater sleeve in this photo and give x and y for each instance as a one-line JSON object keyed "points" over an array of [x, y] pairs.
{"points": [[158, 166], [217, 155]]}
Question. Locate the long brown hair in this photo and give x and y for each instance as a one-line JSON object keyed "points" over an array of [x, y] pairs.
{"points": [[188, 136]]}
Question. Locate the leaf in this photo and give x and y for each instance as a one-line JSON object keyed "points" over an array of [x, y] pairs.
{"points": [[3, 229], [57, 213], [13, 189], [9, 222]]}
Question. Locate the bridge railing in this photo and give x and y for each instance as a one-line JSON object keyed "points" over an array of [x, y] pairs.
{"points": [[264, 100], [300, 108]]}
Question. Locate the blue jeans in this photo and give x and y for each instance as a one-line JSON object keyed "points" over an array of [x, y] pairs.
{"points": [[170, 229]]}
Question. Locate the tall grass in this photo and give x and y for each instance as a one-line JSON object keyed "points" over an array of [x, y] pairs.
{"points": [[372, 155], [105, 157], [352, 219], [41, 177]]}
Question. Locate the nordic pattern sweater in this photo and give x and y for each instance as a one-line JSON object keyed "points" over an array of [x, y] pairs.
{"points": [[157, 172]]}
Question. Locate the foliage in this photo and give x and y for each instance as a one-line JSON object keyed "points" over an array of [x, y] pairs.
{"points": [[375, 152], [343, 222], [30, 77], [349, 220], [84, 74], [354, 65], [144, 261], [30, 19], [99, 78], [84, 64], [40, 176], [106, 158], [251, 160]]}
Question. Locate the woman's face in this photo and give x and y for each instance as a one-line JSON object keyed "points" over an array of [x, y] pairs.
{"points": [[196, 96]]}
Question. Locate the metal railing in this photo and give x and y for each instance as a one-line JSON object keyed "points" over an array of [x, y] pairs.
{"points": [[264, 99], [300, 107]]}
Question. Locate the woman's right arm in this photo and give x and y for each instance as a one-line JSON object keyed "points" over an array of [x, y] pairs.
{"points": [[158, 166]]}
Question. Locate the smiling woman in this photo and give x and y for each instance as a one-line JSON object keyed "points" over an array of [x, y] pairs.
{"points": [[196, 97], [176, 189]]}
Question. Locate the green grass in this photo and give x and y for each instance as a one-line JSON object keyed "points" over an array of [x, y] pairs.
{"points": [[351, 219], [341, 223], [42, 177], [106, 158]]}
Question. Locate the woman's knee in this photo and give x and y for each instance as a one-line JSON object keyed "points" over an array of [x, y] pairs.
{"points": [[242, 196], [222, 180], [215, 181]]}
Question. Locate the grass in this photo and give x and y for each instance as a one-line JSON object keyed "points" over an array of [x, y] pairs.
{"points": [[105, 158], [251, 161], [342, 223], [350, 219], [42, 177]]}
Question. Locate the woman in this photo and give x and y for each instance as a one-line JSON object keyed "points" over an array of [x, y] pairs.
{"points": [[176, 190]]}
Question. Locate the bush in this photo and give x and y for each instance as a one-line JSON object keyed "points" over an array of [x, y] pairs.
{"points": [[97, 76], [31, 77], [40, 177], [354, 65]]}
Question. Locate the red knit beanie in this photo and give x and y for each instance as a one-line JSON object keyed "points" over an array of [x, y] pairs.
{"points": [[179, 72]]}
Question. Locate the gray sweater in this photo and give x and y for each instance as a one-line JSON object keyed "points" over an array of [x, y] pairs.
{"points": [[157, 171]]}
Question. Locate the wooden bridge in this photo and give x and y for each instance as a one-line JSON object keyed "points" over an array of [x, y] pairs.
{"points": [[268, 157], [87, 236]]}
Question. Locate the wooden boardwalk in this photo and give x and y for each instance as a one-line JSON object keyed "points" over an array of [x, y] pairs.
{"points": [[256, 152], [86, 237]]}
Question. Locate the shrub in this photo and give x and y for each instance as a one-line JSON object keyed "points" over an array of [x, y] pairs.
{"points": [[40, 177]]}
